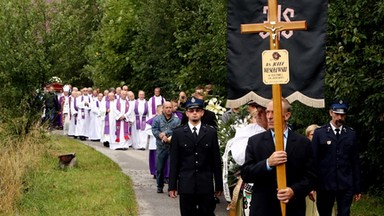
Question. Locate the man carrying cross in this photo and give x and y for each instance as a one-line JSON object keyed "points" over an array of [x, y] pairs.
{"points": [[261, 161], [280, 22]]}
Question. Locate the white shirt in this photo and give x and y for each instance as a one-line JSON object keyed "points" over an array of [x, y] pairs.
{"points": [[285, 135], [334, 128], [198, 126]]}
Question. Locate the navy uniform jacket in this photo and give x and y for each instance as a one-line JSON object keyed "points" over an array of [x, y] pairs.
{"points": [[300, 173], [337, 161], [195, 167]]}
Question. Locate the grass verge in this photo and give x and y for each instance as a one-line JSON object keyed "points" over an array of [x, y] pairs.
{"points": [[368, 206], [18, 155], [96, 186]]}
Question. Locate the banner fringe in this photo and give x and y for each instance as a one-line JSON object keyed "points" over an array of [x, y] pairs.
{"points": [[296, 96]]}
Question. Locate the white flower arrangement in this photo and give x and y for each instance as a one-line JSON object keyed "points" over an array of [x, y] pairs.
{"points": [[55, 79], [214, 105], [240, 123]]}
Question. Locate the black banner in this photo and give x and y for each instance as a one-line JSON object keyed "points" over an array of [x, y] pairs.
{"points": [[306, 51]]}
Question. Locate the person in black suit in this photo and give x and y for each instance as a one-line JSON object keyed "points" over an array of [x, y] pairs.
{"points": [[337, 162], [260, 164], [52, 107], [195, 166]]}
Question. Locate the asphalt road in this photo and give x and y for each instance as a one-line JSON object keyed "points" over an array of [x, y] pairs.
{"points": [[134, 163]]}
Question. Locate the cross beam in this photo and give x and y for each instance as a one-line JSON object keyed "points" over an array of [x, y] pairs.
{"points": [[273, 27]]}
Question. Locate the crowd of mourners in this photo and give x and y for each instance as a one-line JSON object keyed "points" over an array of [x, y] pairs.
{"points": [[181, 136]]}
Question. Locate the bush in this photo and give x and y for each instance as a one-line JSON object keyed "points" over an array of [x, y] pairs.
{"points": [[18, 155]]}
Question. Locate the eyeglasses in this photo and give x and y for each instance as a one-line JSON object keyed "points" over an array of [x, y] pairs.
{"points": [[191, 110]]}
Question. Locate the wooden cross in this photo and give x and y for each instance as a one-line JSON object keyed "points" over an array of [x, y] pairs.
{"points": [[273, 27]]}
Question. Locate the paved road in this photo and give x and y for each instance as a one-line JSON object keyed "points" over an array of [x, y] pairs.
{"points": [[134, 163]]}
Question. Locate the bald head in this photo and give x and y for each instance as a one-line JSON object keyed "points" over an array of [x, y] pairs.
{"points": [[167, 109]]}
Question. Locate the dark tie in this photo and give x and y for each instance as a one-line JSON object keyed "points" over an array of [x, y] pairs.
{"points": [[337, 133], [194, 132]]}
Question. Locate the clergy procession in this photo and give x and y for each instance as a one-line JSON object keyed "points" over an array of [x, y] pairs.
{"points": [[113, 117]]}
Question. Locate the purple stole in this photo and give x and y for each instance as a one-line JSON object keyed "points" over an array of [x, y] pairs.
{"points": [[154, 104], [118, 122], [140, 125], [97, 105], [76, 108], [82, 109], [62, 99], [69, 101], [106, 120], [61, 116]]}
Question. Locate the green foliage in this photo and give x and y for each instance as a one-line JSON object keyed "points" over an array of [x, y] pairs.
{"points": [[303, 116], [174, 44], [108, 53], [39, 40], [368, 206]]}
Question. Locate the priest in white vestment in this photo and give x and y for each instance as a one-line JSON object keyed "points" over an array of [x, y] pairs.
{"points": [[107, 114], [141, 116], [94, 133], [83, 107], [155, 100], [65, 110], [73, 112], [131, 98], [88, 99], [124, 117]]}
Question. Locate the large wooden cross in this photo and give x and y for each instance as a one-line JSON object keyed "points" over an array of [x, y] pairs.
{"points": [[273, 27]]}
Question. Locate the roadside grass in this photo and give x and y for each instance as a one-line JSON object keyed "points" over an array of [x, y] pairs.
{"points": [[368, 206], [18, 155], [96, 186]]}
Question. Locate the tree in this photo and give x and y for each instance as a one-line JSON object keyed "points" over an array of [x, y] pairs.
{"points": [[108, 53], [176, 45], [40, 39]]}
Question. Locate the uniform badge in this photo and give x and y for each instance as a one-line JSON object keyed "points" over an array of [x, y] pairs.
{"points": [[193, 100], [329, 142]]}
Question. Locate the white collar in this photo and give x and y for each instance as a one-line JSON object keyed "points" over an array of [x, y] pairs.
{"points": [[333, 127], [198, 126]]}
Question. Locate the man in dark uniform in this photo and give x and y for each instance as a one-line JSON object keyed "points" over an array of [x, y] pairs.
{"points": [[195, 170], [260, 164], [337, 161]]}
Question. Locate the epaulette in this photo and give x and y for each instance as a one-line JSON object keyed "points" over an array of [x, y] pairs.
{"points": [[326, 127], [349, 128]]}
